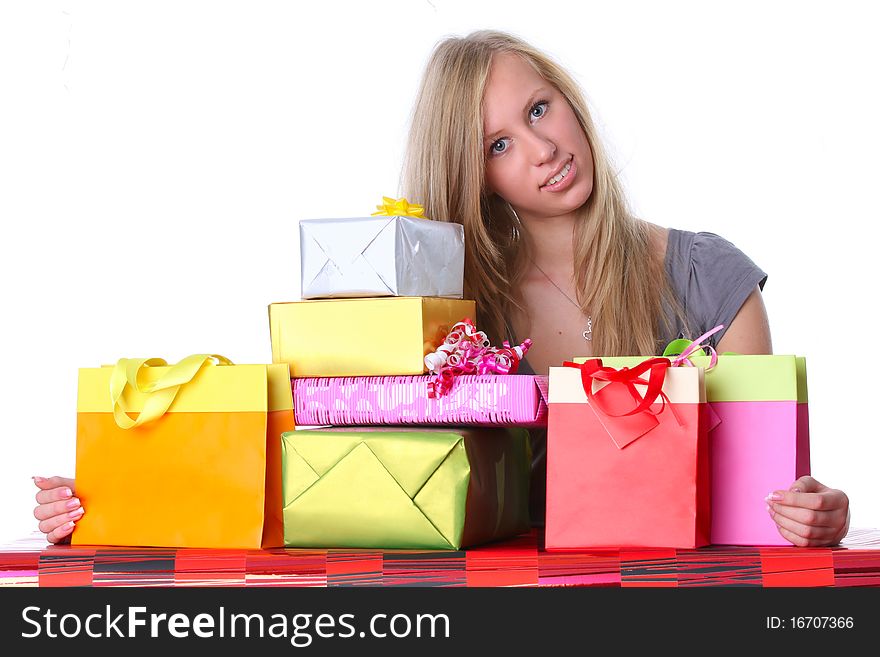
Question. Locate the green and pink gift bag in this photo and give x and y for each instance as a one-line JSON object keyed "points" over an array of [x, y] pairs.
{"points": [[760, 443]]}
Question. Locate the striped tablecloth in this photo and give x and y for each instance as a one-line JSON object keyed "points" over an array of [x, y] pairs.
{"points": [[520, 562]]}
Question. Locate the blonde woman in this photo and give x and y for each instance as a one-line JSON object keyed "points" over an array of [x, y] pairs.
{"points": [[502, 142]]}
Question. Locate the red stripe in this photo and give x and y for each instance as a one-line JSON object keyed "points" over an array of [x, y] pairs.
{"points": [[797, 567]]}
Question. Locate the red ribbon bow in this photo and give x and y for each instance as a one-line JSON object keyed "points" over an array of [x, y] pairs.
{"points": [[593, 370]]}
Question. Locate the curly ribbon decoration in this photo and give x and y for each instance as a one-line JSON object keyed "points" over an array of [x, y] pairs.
{"points": [[683, 349], [468, 351], [399, 208]]}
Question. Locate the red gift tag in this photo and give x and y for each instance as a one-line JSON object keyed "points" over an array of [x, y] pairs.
{"points": [[623, 429]]}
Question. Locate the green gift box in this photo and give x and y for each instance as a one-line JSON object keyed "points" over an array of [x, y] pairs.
{"points": [[423, 489]]}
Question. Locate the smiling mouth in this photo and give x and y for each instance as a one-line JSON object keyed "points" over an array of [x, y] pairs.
{"points": [[559, 176]]}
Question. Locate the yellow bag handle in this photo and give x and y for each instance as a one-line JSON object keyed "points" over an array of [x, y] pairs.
{"points": [[162, 392]]}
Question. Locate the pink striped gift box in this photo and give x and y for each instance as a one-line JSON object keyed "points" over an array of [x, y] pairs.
{"points": [[483, 400]]}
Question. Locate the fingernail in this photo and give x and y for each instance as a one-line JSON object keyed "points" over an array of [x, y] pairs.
{"points": [[72, 504], [774, 496], [66, 492], [795, 490], [38, 480], [76, 513], [769, 510], [66, 527]]}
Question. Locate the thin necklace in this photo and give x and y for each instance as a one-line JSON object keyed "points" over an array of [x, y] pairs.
{"points": [[588, 332]]}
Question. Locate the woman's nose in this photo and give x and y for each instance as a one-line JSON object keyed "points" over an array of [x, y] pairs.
{"points": [[542, 149]]}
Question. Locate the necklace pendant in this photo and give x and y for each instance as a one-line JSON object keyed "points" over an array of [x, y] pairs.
{"points": [[588, 332]]}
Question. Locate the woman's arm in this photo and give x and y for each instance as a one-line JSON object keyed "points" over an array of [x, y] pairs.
{"points": [[749, 332]]}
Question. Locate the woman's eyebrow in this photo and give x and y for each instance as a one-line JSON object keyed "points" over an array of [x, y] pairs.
{"points": [[528, 105]]}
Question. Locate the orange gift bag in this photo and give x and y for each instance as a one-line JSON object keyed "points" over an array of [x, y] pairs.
{"points": [[187, 455]]}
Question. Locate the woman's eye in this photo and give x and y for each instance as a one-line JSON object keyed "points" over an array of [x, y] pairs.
{"points": [[499, 146], [538, 110]]}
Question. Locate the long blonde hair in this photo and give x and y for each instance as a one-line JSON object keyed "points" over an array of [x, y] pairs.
{"points": [[620, 281]]}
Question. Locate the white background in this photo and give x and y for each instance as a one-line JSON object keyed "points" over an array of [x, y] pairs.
{"points": [[156, 156]]}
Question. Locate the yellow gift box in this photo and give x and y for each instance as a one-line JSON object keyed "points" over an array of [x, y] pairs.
{"points": [[362, 337]]}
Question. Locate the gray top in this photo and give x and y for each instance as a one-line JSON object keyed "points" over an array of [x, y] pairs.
{"points": [[711, 279]]}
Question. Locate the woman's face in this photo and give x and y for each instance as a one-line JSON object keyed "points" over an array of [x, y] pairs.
{"points": [[537, 156]]}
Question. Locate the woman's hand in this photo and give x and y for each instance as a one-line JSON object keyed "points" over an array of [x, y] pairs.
{"points": [[57, 510], [810, 514]]}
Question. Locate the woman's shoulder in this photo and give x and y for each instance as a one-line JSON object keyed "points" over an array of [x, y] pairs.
{"points": [[678, 243], [658, 238], [710, 275], [695, 252]]}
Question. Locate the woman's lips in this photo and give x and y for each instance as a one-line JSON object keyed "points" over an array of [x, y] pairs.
{"points": [[565, 182]]}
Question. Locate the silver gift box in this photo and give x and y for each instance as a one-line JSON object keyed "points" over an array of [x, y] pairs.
{"points": [[381, 256]]}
